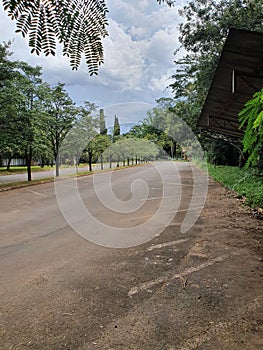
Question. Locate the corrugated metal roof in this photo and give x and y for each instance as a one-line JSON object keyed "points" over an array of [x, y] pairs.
{"points": [[238, 76]]}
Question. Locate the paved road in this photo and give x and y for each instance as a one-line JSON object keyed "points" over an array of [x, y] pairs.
{"points": [[193, 290]]}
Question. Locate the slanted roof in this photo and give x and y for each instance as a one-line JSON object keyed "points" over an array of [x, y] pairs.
{"points": [[238, 76]]}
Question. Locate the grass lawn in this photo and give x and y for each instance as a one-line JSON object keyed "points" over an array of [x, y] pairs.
{"points": [[22, 169], [243, 181], [34, 168]]}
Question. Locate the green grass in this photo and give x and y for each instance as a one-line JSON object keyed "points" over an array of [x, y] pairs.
{"points": [[34, 169], [22, 169], [243, 181]]}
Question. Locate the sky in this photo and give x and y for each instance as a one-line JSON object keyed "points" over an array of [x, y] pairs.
{"points": [[139, 59]]}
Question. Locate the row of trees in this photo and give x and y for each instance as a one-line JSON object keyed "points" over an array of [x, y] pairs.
{"points": [[35, 117], [42, 123]]}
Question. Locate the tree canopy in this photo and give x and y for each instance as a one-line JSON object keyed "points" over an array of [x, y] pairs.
{"points": [[203, 31]]}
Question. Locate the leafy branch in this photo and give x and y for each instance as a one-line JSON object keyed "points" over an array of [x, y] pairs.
{"points": [[79, 25]]}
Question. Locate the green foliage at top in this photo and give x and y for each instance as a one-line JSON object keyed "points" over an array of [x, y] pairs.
{"points": [[207, 22], [79, 25], [251, 118]]}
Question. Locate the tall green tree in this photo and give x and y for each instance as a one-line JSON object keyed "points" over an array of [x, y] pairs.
{"points": [[79, 143], [21, 125], [97, 148], [116, 128], [103, 129], [60, 116], [29, 87], [10, 97]]}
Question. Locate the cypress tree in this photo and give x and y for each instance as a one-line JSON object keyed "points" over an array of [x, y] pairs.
{"points": [[116, 128], [103, 129]]}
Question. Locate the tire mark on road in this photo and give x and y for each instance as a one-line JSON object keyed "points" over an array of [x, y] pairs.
{"points": [[144, 286], [167, 244]]}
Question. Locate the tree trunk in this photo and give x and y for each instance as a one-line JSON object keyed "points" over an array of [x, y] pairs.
{"points": [[110, 161], [90, 161], [101, 162], [29, 160], [8, 163], [241, 160], [172, 150], [57, 165], [90, 165], [42, 162]]}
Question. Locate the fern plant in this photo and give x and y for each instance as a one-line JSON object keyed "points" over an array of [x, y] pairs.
{"points": [[251, 119]]}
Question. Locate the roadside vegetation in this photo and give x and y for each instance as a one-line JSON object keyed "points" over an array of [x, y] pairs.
{"points": [[22, 169], [34, 168], [244, 182]]}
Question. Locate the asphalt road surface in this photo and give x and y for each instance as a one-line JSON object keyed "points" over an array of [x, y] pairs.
{"points": [[199, 289]]}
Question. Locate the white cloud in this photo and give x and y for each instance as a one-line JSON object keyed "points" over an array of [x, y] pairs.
{"points": [[123, 61]]}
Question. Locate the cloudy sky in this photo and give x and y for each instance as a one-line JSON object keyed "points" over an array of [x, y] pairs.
{"points": [[139, 55]]}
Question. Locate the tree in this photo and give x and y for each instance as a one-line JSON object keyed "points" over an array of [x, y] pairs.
{"points": [[79, 142], [10, 126], [78, 24], [21, 129], [128, 148], [208, 21], [60, 116], [251, 118], [116, 128], [157, 127], [99, 145], [103, 129], [29, 86], [7, 67]]}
